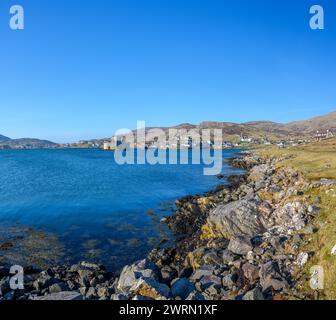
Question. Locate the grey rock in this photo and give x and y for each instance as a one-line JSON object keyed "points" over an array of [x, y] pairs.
{"points": [[275, 188], [212, 258], [291, 216], [229, 257], [327, 182], [251, 272], [229, 281], [240, 245], [202, 272], [131, 274], [254, 294], [270, 277], [260, 185], [276, 284], [209, 281], [302, 259], [236, 218], [260, 172]]}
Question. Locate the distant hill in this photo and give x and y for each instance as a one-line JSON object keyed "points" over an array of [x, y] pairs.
{"points": [[266, 130], [3, 138], [326, 122], [273, 130], [26, 143]]}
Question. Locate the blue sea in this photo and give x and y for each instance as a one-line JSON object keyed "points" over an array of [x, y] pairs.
{"points": [[78, 204]]}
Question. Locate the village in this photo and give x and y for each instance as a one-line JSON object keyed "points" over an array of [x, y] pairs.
{"points": [[187, 142]]}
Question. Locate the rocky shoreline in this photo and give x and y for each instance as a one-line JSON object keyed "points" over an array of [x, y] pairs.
{"points": [[240, 242]]}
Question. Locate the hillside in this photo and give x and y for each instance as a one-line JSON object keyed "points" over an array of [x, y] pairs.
{"points": [[265, 130], [273, 131], [26, 143], [326, 122], [3, 138]]}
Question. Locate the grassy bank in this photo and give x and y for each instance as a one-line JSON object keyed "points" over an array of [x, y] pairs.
{"points": [[316, 161]]}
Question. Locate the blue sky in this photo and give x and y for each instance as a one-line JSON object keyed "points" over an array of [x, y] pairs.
{"points": [[82, 69]]}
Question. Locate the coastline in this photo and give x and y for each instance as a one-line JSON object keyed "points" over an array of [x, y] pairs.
{"points": [[231, 244]]}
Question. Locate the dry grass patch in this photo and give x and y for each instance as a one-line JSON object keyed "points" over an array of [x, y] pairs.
{"points": [[315, 161]]}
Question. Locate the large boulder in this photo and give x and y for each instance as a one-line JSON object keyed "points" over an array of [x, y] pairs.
{"points": [[241, 217]]}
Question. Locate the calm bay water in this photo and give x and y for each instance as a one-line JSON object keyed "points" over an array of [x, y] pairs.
{"points": [[98, 210]]}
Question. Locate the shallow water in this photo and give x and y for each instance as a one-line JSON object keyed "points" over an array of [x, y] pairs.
{"points": [[98, 210]]}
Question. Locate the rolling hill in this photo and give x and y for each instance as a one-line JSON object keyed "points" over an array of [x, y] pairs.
{"points": [[3, 138], [326, 122], [267, 130], [26, 143]]}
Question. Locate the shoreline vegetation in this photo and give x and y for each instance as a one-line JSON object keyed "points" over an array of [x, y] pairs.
{"points": [[256, 239]]}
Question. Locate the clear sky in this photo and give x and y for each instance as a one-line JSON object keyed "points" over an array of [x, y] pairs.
{"points": [[83, 69]]}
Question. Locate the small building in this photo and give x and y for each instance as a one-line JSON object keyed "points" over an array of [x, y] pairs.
{"points": [[245, 139]]}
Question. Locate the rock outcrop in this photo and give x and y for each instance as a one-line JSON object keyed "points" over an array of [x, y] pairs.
{"points": [[236, 218]]}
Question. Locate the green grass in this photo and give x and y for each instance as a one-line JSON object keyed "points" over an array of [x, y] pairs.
{"points": [[314, 161]]}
